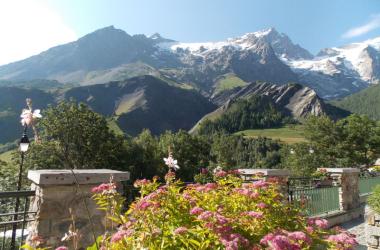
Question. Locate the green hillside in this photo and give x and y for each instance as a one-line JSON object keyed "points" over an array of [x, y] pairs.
{"points": [[12, 101], [254, 112], [228, 81], [287, 134], [365, 102], [6, 156], [144, 102]]}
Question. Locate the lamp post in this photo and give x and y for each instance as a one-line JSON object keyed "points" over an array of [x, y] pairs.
{"points": [[24, 145]]}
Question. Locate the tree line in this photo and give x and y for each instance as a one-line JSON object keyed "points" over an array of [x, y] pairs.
{"points": [[73, 136]]}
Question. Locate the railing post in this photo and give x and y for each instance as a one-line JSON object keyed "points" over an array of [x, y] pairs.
{"points": [[57, 191], [349, 197]]}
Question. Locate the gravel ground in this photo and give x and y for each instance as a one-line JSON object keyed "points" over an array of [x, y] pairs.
{"points": [[357, 227]]}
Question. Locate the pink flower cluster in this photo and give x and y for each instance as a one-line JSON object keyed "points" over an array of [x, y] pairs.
{"points": [[121, 234], [180, 230], [207, 187], [140, 183], [321, 223], [104, 187], [196, 211], [286, 240], [343, 240], [62, 248], [260, 184], [247, 192], [234, 241], [221, 173], [254, 214]]}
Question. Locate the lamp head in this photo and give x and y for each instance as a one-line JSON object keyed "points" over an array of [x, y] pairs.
{"points": [[24, 143]]}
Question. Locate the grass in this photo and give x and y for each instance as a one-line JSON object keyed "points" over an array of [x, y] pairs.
{"points": [[112, 124], [229, 81], [288, 134], [6, 156]]}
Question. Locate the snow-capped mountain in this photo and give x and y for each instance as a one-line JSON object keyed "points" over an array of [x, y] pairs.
{"points": [[340, 71], [267, 55], [280, 43]]}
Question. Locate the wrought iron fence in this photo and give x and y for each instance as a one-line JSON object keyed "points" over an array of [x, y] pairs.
{"points": [[13, 222], [367, 184], [316, 201]]}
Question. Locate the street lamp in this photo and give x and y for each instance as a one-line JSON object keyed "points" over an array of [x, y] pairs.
{"points": [[24, 145]]}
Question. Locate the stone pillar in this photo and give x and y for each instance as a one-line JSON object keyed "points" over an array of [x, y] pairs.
{"points": [[348, 179], [56, 193]]}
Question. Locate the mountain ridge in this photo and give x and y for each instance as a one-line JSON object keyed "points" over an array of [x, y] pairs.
{"points": [[265, 55]]}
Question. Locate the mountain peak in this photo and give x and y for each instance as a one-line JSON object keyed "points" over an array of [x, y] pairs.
{"points": [[266, 32], [155, 36]]}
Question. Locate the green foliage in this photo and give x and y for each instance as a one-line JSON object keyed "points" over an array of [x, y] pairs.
{"points": [[374, 199], [192, 152], [365, 102], [352, 141], [255, 112], [298, 159], [232, 151], [73, 136]]}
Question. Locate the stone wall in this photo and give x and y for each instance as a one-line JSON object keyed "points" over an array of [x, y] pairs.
{"points": [[60, 200], [372, 231]]}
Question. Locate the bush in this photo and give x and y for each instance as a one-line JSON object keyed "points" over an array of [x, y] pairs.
{"points": [[374, 199], [226, 214]]}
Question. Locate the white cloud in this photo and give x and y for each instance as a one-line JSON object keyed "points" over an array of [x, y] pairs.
{"points": [[28, 27], [374, 23]]}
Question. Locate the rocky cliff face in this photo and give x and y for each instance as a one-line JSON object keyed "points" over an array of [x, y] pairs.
{"points": [[297, 100]]}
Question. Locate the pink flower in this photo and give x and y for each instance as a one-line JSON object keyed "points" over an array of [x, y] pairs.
{"points": [[171, 162], [221, 219], [205, 215], [119, 235], [221, 173], [309, 229], [140, 183], [180, 230], [62, 248], [27, 116], [254, 214], [262, 205], [279, 242], [299, 236], [144, 205], [169, 176], [104, 187], [343, 239], [322, 223], [210, 186], [204, 171], [196, 211], [260, 184]]}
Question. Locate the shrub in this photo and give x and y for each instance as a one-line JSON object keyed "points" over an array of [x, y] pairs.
{"points": [[374, 199], [321, 174], [226, 214]]}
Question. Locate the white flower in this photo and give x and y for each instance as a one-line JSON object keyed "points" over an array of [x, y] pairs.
{"points": [[171, 162], [27, 116], [68, 236]]}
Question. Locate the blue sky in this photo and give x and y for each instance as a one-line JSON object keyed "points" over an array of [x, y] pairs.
{"points": [[312, 24]]}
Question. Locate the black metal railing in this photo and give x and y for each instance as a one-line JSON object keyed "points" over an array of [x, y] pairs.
{"points": [[13, 222]]}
